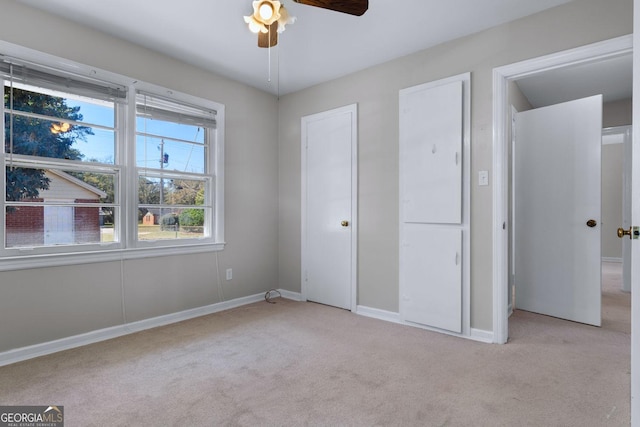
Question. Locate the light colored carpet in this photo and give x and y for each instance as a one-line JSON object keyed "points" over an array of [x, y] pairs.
{"points": [[295, 363]]}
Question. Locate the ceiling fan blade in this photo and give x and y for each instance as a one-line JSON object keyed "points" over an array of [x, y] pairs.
{"points": [[352, 7], [263, 38]]}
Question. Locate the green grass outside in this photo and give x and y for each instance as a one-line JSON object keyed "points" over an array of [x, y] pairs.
{"points": [[150, 232]]}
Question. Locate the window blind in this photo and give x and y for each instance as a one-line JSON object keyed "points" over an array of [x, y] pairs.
{"points": [[49, 78], [155, 107]]}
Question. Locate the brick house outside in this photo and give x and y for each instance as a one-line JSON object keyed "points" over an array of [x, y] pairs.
{"points": [[54, 225]]}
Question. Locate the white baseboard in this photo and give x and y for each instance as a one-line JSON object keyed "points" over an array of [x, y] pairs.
{"points": [[389, 316], [30, 352], [482, 335], [295, 296], [611, 259], [376, 313]]}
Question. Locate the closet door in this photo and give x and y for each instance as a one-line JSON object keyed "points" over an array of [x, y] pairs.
{"points": [[433, 221], [433, 274], [431, 129]]}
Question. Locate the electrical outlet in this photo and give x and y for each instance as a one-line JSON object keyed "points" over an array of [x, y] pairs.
{"points": [[229, 274]]}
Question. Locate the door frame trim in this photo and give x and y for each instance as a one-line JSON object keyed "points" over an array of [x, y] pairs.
{"points": [[501, 77], [635, 218], [625, 259], [353, 110]]}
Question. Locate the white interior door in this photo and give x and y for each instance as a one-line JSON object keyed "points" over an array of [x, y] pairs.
{"points": [[329, 147], [557, 191]]}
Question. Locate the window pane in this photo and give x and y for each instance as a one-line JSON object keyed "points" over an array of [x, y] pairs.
{"points": [[162, 153], [69, 217], [50, 185], [165, 191], [60, 105], [47, 138], [54, 225], [170, 129], [99, 146], [102, 114], [170, 223], [25, 183]]}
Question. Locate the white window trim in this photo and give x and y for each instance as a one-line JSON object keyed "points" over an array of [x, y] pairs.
{"points": [[215, 162], [129, 247]]}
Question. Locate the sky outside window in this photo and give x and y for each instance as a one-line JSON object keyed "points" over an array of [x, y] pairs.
{"points": [[183, 146]]}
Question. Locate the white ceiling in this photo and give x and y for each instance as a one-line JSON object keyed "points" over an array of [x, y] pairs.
{"points": [[613, 78], [320, 46]]}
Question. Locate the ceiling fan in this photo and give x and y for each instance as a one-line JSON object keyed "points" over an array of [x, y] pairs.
{"points": [[352, 7], [270, 17]]}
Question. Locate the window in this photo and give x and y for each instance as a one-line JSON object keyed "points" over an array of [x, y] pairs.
{"points": [[174, 176], [95, 165], [60, 170]]}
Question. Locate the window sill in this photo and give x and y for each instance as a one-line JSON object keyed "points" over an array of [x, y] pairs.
{"points": [[54, 260]]}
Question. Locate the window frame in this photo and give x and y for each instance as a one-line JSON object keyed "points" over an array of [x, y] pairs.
{"points": [[128, 246], [208, 175]]}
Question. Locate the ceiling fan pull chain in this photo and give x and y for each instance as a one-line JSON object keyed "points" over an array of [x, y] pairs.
{"points": [[269, 49]]}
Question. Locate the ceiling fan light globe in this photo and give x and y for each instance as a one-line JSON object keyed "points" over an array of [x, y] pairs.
{"points": [[254, 26], [267, 6], [284, 19], [266, 11]]}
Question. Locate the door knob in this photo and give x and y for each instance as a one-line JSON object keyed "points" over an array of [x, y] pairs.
{"points": [[344, 223], [592, 223], [632, 232], [622, 232]]}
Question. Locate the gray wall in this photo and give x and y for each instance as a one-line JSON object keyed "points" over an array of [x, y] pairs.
{"points": [[40, 305], [617, 113], [376, 92]]}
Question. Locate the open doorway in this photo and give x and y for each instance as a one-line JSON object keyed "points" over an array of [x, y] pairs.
{"points": [[544, 327], [601, 173], [574, 66]]}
